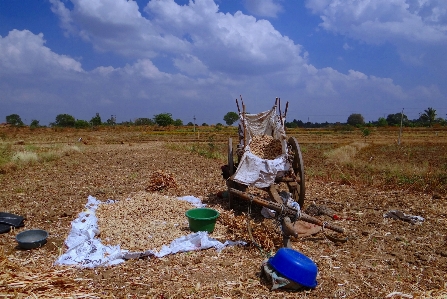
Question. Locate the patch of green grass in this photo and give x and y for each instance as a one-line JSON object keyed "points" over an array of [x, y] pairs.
{"points": [[30, 148]]}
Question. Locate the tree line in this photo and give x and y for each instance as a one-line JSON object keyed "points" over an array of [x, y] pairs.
{"points": [[427, 118], [67, 120]]}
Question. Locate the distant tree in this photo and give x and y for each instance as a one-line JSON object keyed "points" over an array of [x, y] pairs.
{"points": [[429, 116], [291, 125], [34, 124], [111, 121], [366, 132], [81, 124], [355, 119], [14, 120], [299, 123], [96, 120], [382, 122], [394, 119], [142, 121], [230, 118], [218, 127], [204, 125], [440, 121], [178, 122], [163, 119], [190, 124], [64, 120]]}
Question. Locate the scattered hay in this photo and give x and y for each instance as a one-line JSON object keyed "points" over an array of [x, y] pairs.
{"points": [[8, 167], [68, 150], [161, 180]]}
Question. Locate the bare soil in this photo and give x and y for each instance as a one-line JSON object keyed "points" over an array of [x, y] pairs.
{"points": [[383, 257]]}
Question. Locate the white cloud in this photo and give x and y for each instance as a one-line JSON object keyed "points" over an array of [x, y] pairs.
{"points": [[218, 56], [197, 29], [264, 8], [382, 21], [417, 29], [347, 47], [190, 65], [24, 52]]}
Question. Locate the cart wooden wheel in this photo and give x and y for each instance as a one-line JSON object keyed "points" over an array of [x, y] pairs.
{"points": [[298, 192]]}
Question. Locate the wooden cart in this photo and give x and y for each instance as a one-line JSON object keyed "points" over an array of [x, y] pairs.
{"points": [[294, 179]]}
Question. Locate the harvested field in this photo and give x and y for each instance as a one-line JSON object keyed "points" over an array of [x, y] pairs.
{"points": [[383, 257]]}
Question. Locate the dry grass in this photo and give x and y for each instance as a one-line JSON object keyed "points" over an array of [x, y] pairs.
{"points": [[12, 158], [344, 154], [24, 158], [382, 256]]}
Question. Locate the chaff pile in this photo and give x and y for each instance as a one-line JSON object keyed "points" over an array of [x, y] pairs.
{"points": [[265, 147], [261, 230], [161, 180], [18, 280]]}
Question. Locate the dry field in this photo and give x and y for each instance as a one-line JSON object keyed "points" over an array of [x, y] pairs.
{"points": [[47, 176]]}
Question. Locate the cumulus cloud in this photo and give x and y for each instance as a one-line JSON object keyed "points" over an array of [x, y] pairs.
{"points": [[197, 29], [214, 58], [265, 8], [382, 21], [417, 29], [190, 65], [24, 52]]}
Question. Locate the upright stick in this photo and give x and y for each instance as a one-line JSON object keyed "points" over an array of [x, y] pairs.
{"points": [[279, 108], [238, 109], [245, 127]]}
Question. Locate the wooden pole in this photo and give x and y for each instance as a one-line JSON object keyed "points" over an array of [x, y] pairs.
{"points": [[401, 120], [230, 156], [279, 108], [245, 127], [284, 209]]}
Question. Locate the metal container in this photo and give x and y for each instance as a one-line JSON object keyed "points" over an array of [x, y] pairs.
{"points": [[33, 238]]}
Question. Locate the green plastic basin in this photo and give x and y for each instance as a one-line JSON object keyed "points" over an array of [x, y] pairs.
{"points": [[202, 219]]}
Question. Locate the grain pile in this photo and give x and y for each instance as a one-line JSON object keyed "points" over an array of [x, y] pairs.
{"points": [[145, 221], [265, 147], [161, 180]]}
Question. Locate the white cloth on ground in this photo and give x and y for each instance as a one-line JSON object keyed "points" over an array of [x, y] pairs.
{"points": [[85, 250]]}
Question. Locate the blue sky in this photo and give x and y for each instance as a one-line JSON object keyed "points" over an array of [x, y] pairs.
{"points": [[327, 58]]}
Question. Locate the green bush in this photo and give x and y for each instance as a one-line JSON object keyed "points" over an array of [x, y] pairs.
{"points": [[81, 124]]}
